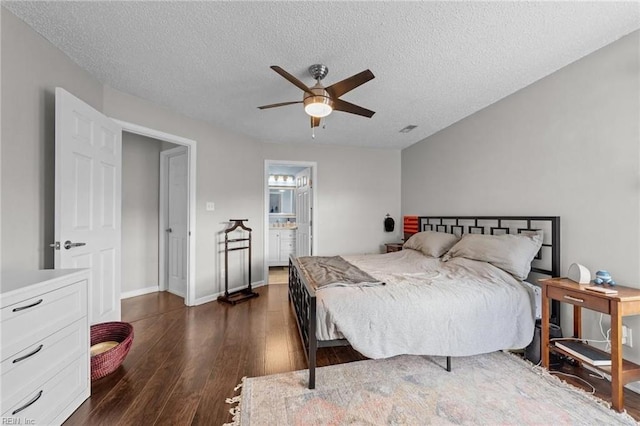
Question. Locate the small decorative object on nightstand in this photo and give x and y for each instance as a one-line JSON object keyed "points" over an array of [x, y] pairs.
{"points": [[579, 274], [603, 277], [391, 247]]}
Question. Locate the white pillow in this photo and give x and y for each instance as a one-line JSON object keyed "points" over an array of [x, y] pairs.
{"points": [[511, 253], [430, 243]]}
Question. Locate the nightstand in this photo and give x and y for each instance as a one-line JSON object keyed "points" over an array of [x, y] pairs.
{"points": [[391, 247], [625, 302]]}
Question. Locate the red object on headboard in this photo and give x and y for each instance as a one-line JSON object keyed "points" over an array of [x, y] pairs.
{"points": [[410, 224]]}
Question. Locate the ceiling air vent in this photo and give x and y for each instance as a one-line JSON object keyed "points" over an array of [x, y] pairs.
{"points": [[409, 128]]}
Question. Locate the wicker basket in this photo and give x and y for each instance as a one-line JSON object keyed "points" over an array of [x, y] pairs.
{"points": [[109, 361]]}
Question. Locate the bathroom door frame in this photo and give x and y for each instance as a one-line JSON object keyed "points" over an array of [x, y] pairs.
{"points": [[314, 196]]}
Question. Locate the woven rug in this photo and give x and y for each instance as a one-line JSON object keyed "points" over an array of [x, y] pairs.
{"points": [[490, 389]]}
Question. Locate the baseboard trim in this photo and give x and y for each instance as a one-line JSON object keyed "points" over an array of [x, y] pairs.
{"points": [[213, 297], [139, 292], [177, 293]]}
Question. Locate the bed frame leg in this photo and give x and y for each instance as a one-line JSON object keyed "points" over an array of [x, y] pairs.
{"points": [[313, 349], [312, 376], [449, 364]]}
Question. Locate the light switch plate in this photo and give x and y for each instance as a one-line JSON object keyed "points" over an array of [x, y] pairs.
{"points": [[210, 206]]}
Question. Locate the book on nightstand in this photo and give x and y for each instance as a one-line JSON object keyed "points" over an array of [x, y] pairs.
{"points": [[603, 290], [584, 352]]}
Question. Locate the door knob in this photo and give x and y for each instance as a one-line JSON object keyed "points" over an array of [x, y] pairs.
{"points": [[68, 244], [55, 246], [169, 230]]}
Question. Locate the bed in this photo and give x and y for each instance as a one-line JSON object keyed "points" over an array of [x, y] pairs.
{"points": [[417, 301]]}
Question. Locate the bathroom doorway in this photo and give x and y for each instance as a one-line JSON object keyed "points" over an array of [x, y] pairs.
{"points": [[290, 198]]}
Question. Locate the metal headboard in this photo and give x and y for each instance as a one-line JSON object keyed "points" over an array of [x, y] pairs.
{"points": [[546, 262]]}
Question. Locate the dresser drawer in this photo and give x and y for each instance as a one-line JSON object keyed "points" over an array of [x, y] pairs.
{"points": [[287, 245], [31, 320], [288, 234], [43, 403], [588, 301], [36, 364], [287, 248]]}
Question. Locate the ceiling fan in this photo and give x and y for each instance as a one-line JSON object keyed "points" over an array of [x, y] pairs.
{"points": [[320, 101]]}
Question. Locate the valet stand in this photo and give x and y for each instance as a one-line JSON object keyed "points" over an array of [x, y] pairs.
{"points": [[246, 293]]}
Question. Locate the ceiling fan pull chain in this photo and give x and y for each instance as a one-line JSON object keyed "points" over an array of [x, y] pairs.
{"points": [[313, 133]]}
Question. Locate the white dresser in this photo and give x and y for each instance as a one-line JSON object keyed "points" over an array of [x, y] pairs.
{"points": [[45, 345]]}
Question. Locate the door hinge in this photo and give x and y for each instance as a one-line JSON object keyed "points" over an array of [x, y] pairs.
{"points": [[55, 246]]}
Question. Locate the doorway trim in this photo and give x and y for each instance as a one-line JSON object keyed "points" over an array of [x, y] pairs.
{"points": [[190, 297], [313, 165]]}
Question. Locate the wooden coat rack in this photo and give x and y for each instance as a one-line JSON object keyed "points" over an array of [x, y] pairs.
{"points": [[245, 293]]}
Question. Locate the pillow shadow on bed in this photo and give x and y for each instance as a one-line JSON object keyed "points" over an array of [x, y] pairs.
{"points": [[431, 243], [511, 253]]}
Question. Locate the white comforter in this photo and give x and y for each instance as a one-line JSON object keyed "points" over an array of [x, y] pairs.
{"points": [[428, 307]]}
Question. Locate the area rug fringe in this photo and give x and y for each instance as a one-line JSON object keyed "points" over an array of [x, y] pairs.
{"points": [[235, 411]]}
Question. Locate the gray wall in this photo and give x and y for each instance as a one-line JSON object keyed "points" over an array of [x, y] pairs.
{"points": [[356, 188], [230, 167], [31, 70], [230, 172], [567, 145]]}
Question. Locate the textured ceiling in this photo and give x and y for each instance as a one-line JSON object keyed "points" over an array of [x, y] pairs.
{"points": [[435, 62]]}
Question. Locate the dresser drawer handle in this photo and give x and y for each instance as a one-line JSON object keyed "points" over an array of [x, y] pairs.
{"points": [[28, 404], [22, 308], [22, 358], [574, 299]]}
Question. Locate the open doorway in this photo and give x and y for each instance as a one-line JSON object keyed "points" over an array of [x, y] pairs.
{"points": [[141, 190], [166, 178], [290, 198]]}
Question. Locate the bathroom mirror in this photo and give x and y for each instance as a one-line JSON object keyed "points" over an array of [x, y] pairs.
{"points": [[281, 201]]}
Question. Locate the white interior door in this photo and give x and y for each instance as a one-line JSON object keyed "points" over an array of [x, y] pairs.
{"points": [[304, 208], [88, 200], [177, 220]]}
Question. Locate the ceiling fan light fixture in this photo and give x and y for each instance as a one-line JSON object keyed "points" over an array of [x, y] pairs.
{"points": [[318, 106], [319, 101]]}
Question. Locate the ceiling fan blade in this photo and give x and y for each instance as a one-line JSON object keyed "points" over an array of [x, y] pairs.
{"points": [[348, 84], [315, 122], [291, 78], [340, 105], [279, 105]]}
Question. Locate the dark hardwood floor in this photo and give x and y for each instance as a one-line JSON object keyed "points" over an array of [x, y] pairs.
{"points": [[185, 362]]}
